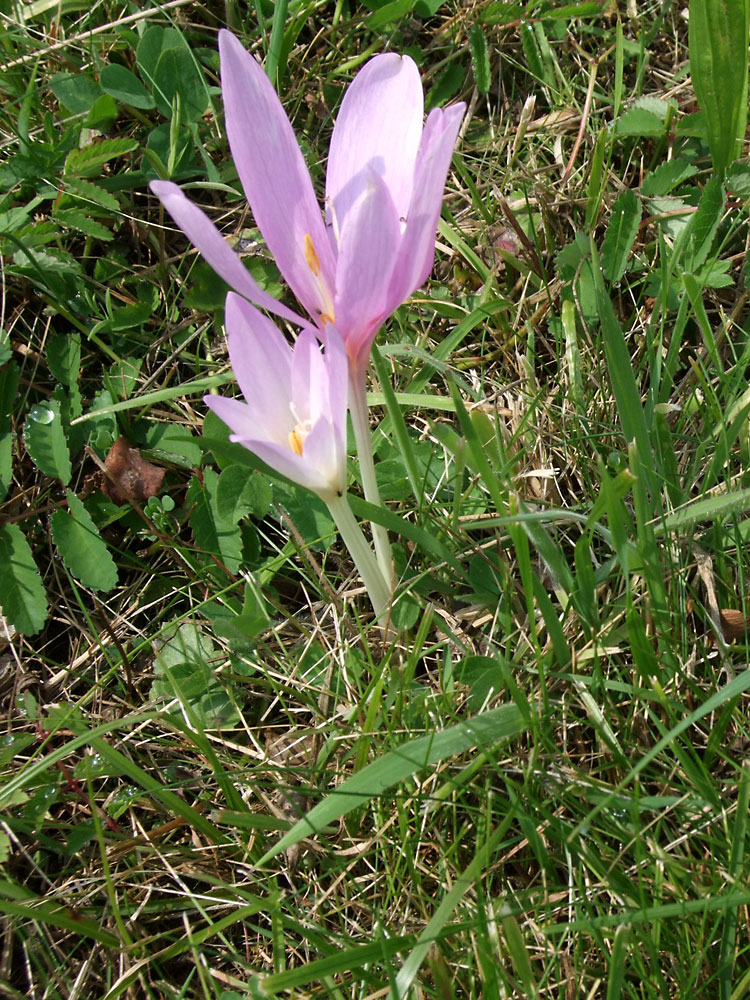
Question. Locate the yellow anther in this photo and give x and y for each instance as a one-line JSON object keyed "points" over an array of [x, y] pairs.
{"points": [[296, 441], [325, 318], [313, 261]]}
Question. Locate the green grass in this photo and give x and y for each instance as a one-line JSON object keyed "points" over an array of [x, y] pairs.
{"points": [[219, 780]]}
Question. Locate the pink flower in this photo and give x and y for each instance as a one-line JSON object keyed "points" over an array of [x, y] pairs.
{"points": [[384, 190], [294, 413]]}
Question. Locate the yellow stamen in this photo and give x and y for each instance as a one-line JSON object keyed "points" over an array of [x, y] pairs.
{"points": [[313, 261], [325, 318], [295, 442]]}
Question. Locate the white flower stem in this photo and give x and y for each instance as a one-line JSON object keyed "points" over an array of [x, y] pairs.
{"points": [[361, 424], [359, 549]]}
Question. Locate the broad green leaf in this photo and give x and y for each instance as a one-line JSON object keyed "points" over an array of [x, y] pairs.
{"points": [[9, 375], [45, 441], [241, 491], [64, 357], [718, 37], [388, 13], [480, 58], [6, 462], [175, 443], [446, 86], [484, 730], [22, 598], [81, 546], [75, 91], [621, 233], [178, 75], [213, 534], [120, 83]]}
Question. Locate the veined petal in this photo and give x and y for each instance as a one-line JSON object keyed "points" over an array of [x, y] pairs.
{"points": [[334, 407], [417, 250], [261, 360], [368, 251], [378, 127], [199, 229], [295, 467], [235, 413], [274, 175], [323, 452], [308, 375]]}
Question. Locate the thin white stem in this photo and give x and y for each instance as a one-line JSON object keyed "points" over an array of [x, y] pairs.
{"points": [[361, 424], [359, 549]]}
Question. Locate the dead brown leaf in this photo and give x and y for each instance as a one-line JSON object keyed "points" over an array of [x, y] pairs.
{"points": [[131, 477]]}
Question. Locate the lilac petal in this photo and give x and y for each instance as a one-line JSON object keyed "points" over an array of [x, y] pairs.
{"points": [[323, 451], [308, 377], [199, 229], [235, 414], [337, 370], [261, 360], [417, 251], [378, 127], [274, 174], [289, 464], [367, 254]]}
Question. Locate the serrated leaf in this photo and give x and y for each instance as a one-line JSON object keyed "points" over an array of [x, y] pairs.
{"points": [[64, 357], [667, 177], [211, 532], [77, 220], [37, 234], [640, 122], [241, 491], [89, 192], [87, 161], [502, 12], [480, 58], [621, 232], [81, 547], [705, 222], [45, 441], [22, 598], [120, 83]]}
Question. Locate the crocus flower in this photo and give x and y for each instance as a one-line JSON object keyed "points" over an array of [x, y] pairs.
{"points": [[384, 188], [294, 418], [294, 412]]}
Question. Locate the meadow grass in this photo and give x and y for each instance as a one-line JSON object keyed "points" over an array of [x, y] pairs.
{"points": [[220, 779]]}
